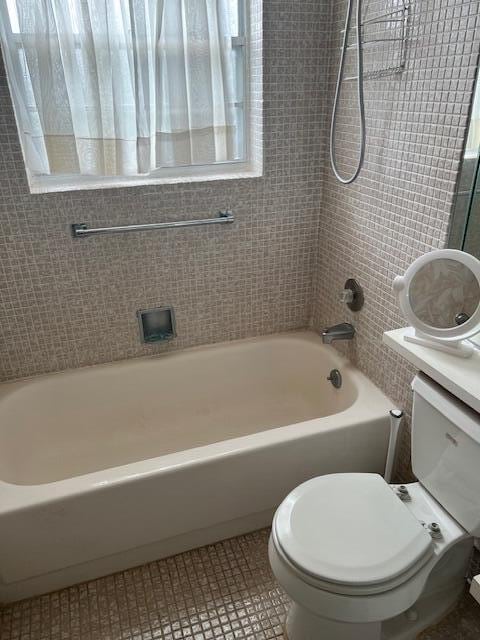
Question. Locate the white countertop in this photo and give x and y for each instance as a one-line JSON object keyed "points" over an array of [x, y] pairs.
{"points": [[460, 376]]}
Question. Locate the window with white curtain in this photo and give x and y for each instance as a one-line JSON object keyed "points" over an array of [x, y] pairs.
{"points": [[117, 92]]}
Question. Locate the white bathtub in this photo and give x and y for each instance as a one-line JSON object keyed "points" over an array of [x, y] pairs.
{"points": [[110, 466]]}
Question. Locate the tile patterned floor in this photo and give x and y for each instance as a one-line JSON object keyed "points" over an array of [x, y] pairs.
{"points": [[224, 591], [221, 592], [461, 624]]}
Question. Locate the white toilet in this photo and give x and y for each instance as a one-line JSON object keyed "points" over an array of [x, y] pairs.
{"points": [[365, 560]]}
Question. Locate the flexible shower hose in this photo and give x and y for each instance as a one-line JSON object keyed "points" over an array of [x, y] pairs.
{"points": [[360, 96]]}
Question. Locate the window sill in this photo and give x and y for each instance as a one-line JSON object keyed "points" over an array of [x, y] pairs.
{"points": [[237, 171]]}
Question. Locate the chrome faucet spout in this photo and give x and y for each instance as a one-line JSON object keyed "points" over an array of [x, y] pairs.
{"points": [[342, 331]]}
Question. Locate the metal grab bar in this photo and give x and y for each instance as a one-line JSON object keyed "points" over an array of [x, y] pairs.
{"points": [[81, 229]]}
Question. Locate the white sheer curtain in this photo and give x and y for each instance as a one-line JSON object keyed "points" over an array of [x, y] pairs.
{"points": [[120, 87]]}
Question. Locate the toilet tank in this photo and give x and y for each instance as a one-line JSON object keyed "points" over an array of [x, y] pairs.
{"points": [[446, 451]]}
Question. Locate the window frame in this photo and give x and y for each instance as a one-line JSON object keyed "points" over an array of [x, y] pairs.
{"points": [[251, 166]]}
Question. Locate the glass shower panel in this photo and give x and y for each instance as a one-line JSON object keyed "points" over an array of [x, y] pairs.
{"points": [[465, 227]]}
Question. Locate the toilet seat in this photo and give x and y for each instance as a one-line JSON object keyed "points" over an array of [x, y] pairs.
{"points": [[350, 534]]}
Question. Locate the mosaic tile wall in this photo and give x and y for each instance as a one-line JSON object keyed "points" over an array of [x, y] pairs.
{"points": [[67, 303], [400, 205]]}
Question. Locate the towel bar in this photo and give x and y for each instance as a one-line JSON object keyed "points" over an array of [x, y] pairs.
{"points": [[81, 229]]}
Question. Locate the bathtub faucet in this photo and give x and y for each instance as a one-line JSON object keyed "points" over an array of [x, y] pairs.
{"points": [[343, 331]]}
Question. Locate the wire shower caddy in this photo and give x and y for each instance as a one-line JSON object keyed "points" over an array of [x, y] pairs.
{"points": [[385, 38]]}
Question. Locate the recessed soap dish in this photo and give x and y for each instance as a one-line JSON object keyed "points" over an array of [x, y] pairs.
{"points": [[156, 325]]}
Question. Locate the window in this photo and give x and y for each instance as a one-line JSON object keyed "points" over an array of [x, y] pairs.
{"points": [[124, 92]]}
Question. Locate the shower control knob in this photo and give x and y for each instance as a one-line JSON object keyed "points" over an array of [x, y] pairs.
{"points": [[352, 295], [402, 493], [435, 530]]}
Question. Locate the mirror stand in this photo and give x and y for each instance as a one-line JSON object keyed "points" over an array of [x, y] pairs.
{"points": [[460, 348]]}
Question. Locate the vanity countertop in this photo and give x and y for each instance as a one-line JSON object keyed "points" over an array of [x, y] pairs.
{"points": [[460, 376]]}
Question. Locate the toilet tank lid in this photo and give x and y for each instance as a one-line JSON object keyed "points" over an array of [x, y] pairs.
{"points": [[461, 415]]}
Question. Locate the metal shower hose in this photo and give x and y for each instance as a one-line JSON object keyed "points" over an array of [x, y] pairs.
{"points": [[360, 96]]}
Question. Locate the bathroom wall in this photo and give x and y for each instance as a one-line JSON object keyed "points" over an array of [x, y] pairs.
{"points": [[70, 302], [400, 205]]}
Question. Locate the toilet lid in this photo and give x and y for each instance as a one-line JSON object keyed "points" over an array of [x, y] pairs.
{"points": [[350, 529]]}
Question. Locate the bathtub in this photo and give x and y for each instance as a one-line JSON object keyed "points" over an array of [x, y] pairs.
{"points": [[111, 466]]}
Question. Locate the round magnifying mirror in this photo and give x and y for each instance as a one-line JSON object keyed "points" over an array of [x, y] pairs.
{"points": [[440, 297], [444, 293]]}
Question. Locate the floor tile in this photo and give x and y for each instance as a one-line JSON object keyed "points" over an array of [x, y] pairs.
{"points": [[224, 591]]}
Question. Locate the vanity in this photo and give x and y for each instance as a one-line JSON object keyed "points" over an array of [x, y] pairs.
{"points": [[459, 376]]}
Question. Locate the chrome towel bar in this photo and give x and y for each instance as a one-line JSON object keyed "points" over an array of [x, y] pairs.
{"points": [[81, 229]]}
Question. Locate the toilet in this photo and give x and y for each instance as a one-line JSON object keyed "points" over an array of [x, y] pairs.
{"points": [[365, 560]]}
